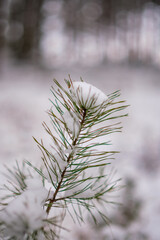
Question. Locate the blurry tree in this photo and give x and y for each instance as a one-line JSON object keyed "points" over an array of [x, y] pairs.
{"points": [[24, 27], [3, 22], [21, 20], [77, 13]]}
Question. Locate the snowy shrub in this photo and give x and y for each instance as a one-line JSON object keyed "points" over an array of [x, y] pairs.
{"points": [[73, 176]]}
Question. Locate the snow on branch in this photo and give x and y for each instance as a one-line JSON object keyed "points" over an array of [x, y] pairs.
{"points": [[73, 172]]}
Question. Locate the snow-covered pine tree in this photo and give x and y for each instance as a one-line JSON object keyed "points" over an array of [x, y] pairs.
{"points": [[73, 175]]}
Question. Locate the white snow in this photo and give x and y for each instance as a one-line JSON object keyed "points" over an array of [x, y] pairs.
{"points": [[35, 185], [72, 122], [61, 160], [88, 95], [23, 214]]}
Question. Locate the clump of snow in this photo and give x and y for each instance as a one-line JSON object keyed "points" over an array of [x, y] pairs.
{"points": [[61, 160], [35, 185], [24, 214], [72, 122], [87, 95]]}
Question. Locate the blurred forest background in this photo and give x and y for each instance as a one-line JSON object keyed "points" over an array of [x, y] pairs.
{"points": [[87, 32], [112, 44]]}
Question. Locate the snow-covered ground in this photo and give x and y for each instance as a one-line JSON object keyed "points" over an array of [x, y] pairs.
{"points": [[24, 93]]}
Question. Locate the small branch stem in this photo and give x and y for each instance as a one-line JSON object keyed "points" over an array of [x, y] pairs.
{"points": [[51, 201]]}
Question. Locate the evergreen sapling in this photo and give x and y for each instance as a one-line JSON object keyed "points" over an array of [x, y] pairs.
{"points": [[73, 176]]}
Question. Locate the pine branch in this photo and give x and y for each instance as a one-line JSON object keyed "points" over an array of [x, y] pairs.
{"points": [[51, 201], [74, 165]]}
